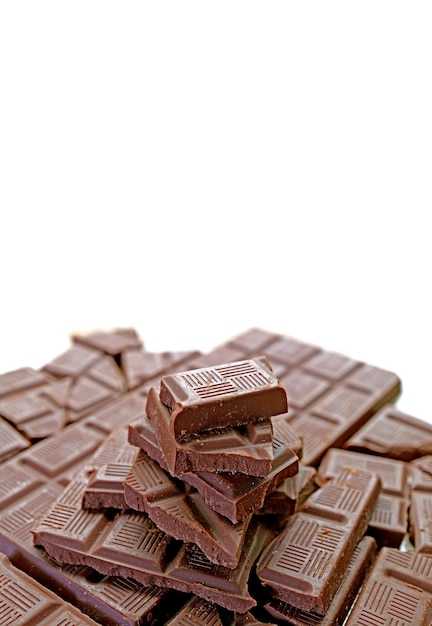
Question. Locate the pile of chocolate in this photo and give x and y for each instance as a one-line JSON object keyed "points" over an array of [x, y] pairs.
{"points": [[179, 488]]}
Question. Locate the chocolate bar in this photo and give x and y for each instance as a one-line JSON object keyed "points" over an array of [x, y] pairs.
{"points": [[224, 395], [397, 591], [358, 567], [389, 520], [306, 562], [394, 434], [247, 449]]}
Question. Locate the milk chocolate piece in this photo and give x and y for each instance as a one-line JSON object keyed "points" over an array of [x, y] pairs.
{"points": [[25, 602], [224, 395], [183, 515], [361, 560], [306, 562], [247, 449], [389, 520], [235, 496], [397, 591], [394, 434]]}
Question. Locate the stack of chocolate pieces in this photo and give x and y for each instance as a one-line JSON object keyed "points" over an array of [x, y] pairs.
{"points": [[132, 507]]}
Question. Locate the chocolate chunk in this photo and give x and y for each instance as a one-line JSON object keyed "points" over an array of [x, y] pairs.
{"points": [[361, 560], [183, 515], [224, 395], [397, 591], [291, 494], [389, 520], [306, 562], [394, 434], [235, 496], [247, 449]]}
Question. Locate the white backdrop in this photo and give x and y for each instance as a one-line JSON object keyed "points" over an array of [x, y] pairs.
{"points": [[193, 169]]}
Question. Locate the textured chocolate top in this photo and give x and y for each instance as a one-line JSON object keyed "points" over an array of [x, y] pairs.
{"points": [[247, 449], [394, 434], [224, 395], [306, 562], [397, 591]]}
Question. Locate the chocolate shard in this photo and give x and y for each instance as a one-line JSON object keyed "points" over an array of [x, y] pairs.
{"points": [[183, 515], [397, 591], [247, 449], [306, 562], [361, 560], [395, 434], [224, 395], [235, 496]]}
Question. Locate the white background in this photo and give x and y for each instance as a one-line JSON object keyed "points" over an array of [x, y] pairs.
{"points": [[193, 169]]}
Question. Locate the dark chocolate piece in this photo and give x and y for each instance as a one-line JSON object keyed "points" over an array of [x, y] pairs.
{"points": [[398, 591], [389, 520], [394, 434], [25, 602], [20, 379], [306, 562], [235, 496], [361, 560], [183, 515], [224, 395], [247, 449]]}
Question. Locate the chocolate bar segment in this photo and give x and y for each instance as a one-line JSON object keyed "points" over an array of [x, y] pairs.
{"points": [[247, 449], [140, 366], [389, 520], [224, 395], [196, 612], [27, 603], [113, 342], [397, 591], [395, 434], [306, 562], [361, 560]]}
